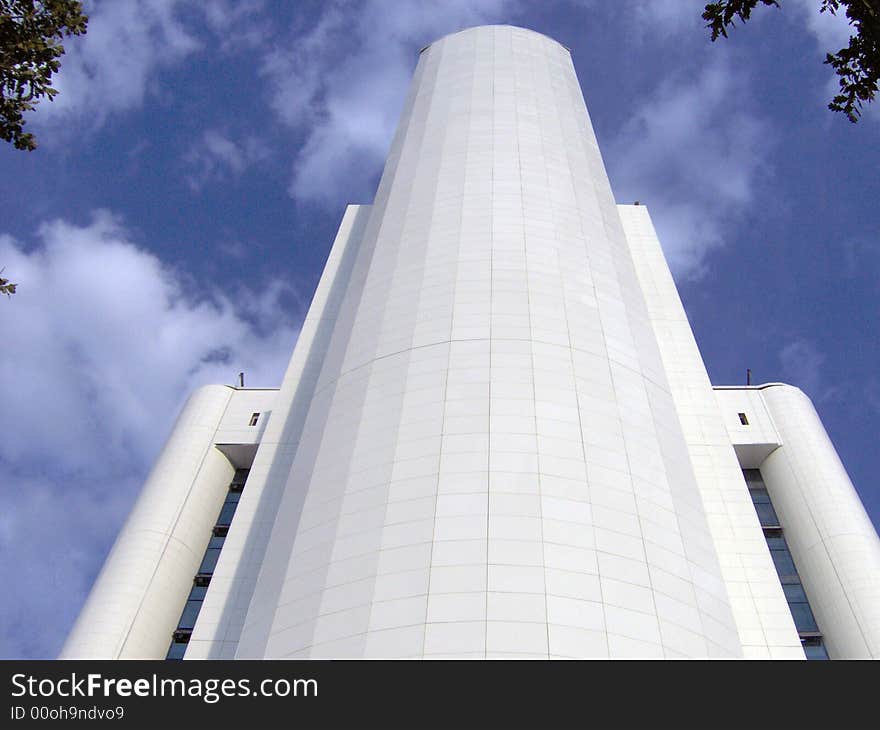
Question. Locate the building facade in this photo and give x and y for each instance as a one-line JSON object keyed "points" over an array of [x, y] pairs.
{"points": [[496, 436]]}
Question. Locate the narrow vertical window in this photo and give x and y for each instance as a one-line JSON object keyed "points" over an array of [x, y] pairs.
{"points": [[254, 418], [804, 621], [742, 419], [182, 634]]}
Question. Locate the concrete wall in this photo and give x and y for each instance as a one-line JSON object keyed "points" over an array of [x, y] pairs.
{"points": [[491, 462], [136, 601], [496, 435], [222, 618], [831, 538], [763, 620]]}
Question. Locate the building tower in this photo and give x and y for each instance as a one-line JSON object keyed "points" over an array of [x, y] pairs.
{"points": [[496, 435]]}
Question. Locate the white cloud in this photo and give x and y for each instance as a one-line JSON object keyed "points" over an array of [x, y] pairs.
{"points": [[295, 68], [802, 365], [216, 156], [345, 79], [237, 24], [53, 536], [872, 394], [117, 62], [692, 152], [109, 68], [102, 343], [666, 17], [861, 256], [831, 33], [831, 30]]}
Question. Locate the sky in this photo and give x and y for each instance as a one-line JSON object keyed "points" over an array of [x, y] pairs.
{"points": [[171, 227]]}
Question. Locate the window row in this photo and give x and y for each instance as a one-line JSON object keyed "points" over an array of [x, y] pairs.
{"points": [[804, 621], [181, 636]]}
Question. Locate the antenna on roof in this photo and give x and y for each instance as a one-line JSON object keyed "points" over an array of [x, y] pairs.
{"points": [[748, 376], [241, 380]]}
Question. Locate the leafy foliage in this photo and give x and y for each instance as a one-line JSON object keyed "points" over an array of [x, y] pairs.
{"points": [[857, 65], [30, 48], [720, 15], [6, 287]]}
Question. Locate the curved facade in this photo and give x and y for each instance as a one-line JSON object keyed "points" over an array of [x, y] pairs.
{"points": [[492, 462], [832, 539], [496, 436], [137, 598]]}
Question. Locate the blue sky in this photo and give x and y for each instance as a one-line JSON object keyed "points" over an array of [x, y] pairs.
{"points": [[171, 227]]}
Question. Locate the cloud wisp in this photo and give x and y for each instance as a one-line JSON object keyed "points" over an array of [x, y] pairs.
{"points": [[217, 157], [693, 152], [343, 82], [109, 69], [831, 32], [668, 17], [116, 65], [803, 364], [102, 345]]}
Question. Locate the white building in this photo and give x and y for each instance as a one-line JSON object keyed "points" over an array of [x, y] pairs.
{"points": [[496, 436]]}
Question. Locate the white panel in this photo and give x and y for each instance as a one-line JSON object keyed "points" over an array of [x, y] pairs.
{"points": [[492, 362], [496, 436], [136, 601], [747, 571], [244, 552], [831, 538]]}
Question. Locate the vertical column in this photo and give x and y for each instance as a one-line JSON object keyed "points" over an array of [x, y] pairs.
{"points": [[246, 554], [832, 540], [138, 596], [762, 617], [494, 462]]}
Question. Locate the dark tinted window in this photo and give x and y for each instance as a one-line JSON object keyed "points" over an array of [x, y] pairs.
{"points": [[766, 514], [209, 562], [176, 650], [189, 615], [759, 496], [783, 562], [815, 649], [202, 580], [803, 618], [226, 513], [795, 595]]}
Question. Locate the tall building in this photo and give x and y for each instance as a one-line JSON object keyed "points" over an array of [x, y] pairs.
{"points": [[496, 436]]}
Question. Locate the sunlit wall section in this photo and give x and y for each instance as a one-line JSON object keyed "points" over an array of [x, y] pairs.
{"points": [[279, 430], [137, 598], [831, 537], [762, 616], [491, 462]]}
